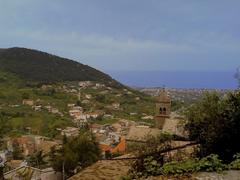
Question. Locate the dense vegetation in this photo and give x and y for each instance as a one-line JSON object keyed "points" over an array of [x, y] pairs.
{"points": [[214, 122], [186, 167], [43, 67], [75, 153]]}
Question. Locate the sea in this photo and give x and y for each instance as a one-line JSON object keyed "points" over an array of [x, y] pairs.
{"points": [[177, 79]]}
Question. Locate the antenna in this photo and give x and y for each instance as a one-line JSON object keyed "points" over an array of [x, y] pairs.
{"points": [[237, 76]]}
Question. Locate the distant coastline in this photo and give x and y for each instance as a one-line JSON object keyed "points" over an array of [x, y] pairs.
{"points": [[177, 79]]}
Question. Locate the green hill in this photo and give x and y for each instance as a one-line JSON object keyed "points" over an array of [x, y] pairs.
{"points": [[16, 118], [43, 67], [56, 86]]}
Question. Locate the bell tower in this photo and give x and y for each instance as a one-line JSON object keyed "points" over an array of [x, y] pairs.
{"points": [[163, 108]]}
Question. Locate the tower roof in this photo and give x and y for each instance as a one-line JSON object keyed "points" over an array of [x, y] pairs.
{"points": [[164, 96]]}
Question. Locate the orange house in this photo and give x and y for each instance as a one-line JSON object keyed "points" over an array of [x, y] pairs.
{"points": [[120, 148]]}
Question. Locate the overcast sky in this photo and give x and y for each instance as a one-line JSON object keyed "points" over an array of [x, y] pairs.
{"points": [[128, 34]]}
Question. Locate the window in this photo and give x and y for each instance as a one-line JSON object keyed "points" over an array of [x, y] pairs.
{"points": [[160, 110], [164, 111]]}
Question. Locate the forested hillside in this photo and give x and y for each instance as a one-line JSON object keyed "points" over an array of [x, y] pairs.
{"points": [[43, 67]]}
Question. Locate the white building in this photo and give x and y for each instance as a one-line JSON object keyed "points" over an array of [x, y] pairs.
{"points": [[70, 132]]}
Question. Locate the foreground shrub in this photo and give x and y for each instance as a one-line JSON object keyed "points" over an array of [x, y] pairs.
{"points": [[179, 168], [236, 162], [211, 163]]}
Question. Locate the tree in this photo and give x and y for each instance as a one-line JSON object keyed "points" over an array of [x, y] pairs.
{"points": [[151, 149], [101, 98], [76, 153], [17, 153], [37, 159], [215, 123], [65, 140], [4, 127], [25, 95], [78, 103]]}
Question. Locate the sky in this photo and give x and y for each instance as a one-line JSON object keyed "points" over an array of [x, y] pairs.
{"points": [[116, 35]]}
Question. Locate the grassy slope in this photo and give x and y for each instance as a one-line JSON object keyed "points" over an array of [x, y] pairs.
{"points": [[14, 120]]}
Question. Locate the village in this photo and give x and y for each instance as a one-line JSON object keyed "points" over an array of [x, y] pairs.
{"points": [[113, 138], [119, 90]]}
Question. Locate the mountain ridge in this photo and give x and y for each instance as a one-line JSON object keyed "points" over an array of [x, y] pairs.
{"points": [[43, 67]]}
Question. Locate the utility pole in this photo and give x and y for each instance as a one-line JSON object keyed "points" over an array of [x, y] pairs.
{"points": [[237, 76], [63, 170]]}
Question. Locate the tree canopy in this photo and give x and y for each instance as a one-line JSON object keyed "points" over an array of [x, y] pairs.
{"points": [[215, 123], [76, 153]]}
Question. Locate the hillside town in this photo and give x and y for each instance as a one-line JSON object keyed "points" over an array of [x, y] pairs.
{"points": [[113, 138], [116, 120], [119, 90]]}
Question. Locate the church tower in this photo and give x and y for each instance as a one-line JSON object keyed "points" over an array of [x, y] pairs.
{"points": [[163, 108]]}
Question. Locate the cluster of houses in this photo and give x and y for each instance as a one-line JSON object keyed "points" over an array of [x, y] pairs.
{"points": [[70, 132], [111, 140], [37, 106], [26, 145], [29, 144], [80, 118], [111, 137], [82, 84]]}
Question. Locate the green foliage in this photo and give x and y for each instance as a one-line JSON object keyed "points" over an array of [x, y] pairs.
{"points": [[150, 158], [16, 120], [211, 163], [179, 168], [39, 66], [17, 153], [37, 159], [102, 120], [125, 178], [4, 127], [186, 167], [78, 103], [235, 164], [151, 165], [76, 153], [25, 95], [213, 121], [176, 105], [101, 98]]}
